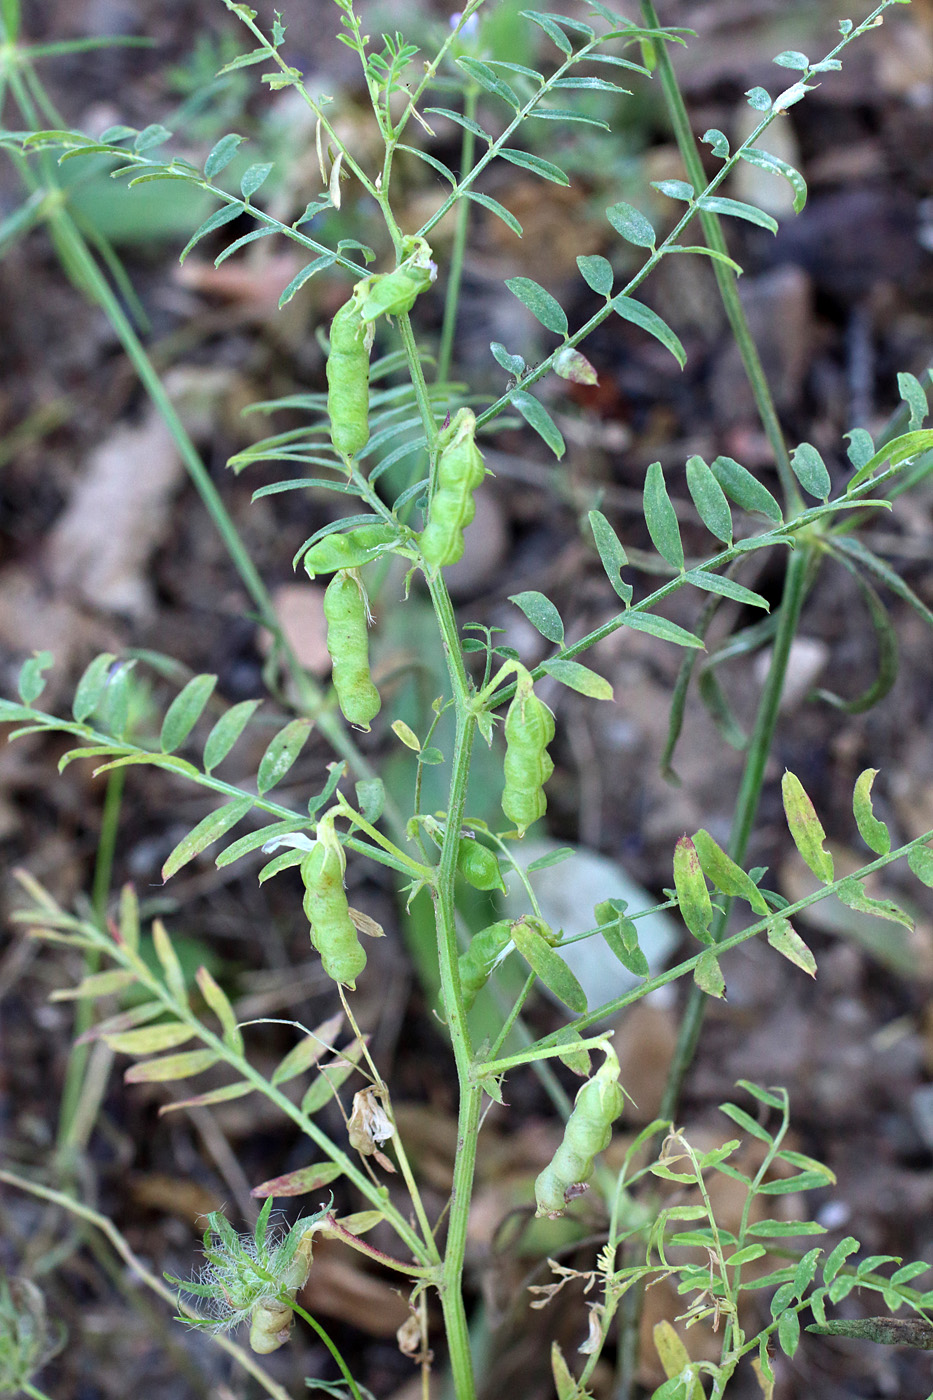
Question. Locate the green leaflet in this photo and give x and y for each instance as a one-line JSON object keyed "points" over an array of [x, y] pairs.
{"points": [[661, 519], [185, 711], [692, 894], [537, 417], [549, 966], [872, 831], [805, 828], [207, 831], [786, 941], [540, 303], [226, 732], [171, 1067], [709, 499], [282, 753], [730, 879], [91, 686], [708, 975], [542, 614]]}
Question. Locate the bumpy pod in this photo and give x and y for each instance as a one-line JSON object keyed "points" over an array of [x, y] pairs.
{"points": [[345, 611], [478, 960], [529, 728], [478, 865], [349, 550], [597, 1105], [333, 931], [348, 379], [460, 470]]}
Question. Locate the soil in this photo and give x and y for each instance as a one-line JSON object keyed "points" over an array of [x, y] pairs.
{"points": [[105, 545]]}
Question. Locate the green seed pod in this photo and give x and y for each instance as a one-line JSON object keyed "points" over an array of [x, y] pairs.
{"points": [[333, 931], [395, 293], [345, 611], [349, 550], [529, 728], [477, 962], [478, 865], [597, 1105], [348, 379], [460, 470]]}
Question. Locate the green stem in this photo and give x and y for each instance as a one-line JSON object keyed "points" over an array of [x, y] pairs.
{"points": [[451, 1288], [312, 1322], [455, 273], [795, 588], [728, 290]]}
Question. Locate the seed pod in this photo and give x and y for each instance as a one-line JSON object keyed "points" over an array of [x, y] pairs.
{"points": [[478, 865], [479, 959], [349, 550], [598, 1104], [348, 379], [460, 470], [529, 728], [394, 293], [345, 610], [333, 932], [270, 1325]]}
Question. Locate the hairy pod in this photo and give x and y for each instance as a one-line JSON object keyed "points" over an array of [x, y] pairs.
{"points": [[478, 865], [478, 960], [529, 728], [348, 550], [346, 614], [348, 379], [333, 931], [460, 470], [597, 1105]]}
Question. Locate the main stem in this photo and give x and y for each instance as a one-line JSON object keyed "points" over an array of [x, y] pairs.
{"points": [[451, 1287]]}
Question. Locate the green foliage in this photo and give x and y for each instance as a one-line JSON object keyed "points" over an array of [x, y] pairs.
{"points": [[403, 451]]}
